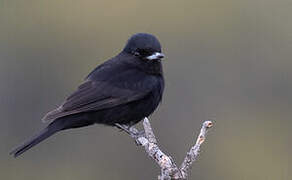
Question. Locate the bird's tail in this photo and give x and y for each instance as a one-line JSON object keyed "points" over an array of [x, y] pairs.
{"points": [[42, 135]]}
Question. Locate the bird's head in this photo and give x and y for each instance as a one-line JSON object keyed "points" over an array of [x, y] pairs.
{"points": [[144, 46]]}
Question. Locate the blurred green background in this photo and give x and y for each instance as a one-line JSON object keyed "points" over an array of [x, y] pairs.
{"points": [[227, 60]]}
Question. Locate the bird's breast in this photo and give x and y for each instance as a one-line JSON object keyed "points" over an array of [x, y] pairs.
{"points": [[155, 95]]}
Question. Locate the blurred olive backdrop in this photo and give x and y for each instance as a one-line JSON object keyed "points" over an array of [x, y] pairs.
{"points": [[227, 60]]}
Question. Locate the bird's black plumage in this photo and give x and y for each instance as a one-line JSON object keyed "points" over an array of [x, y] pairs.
{"points": [[123, 90]]}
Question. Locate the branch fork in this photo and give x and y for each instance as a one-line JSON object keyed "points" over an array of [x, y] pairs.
{"points": [[169, 170]]}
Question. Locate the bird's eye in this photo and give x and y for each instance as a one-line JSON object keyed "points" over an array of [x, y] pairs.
{"points": [[144, 52]]}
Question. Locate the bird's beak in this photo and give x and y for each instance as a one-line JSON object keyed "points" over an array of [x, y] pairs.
{"points": [[156, 55]]}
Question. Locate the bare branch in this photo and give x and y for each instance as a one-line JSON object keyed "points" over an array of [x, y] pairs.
{"points": [[195, 150], [169, 169]]}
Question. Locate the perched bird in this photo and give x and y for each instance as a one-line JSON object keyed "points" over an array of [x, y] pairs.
{"points": [[122, 90]]}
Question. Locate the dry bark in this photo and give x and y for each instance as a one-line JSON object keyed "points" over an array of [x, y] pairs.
{"points": [[169, 170]]}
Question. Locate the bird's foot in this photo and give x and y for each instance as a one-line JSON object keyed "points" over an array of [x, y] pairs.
{"points": [[132, 131]]}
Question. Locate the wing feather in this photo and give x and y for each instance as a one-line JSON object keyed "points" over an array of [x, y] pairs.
{"points": [[94, 96]]}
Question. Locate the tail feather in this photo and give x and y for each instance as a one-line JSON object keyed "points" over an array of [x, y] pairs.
{"points": [[44, 134]]}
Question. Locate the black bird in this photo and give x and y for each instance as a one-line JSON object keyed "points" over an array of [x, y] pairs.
{"points": [[123, 90]]}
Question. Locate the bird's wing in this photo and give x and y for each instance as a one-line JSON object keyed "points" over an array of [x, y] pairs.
{"points": [[96, 95]]}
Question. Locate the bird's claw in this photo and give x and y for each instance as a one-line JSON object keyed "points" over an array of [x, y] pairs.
{"points": [[138, 135]]}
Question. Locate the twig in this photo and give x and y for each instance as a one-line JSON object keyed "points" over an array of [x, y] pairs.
{"points": [[169, 170], [195, 150]]}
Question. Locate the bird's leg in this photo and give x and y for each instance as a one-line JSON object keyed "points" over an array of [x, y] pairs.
{"points": [[132, 131], [123, 127]]}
